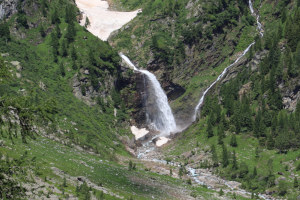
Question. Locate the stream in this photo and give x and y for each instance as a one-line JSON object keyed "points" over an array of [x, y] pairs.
{"points": [[202, 176], [161, 119]]}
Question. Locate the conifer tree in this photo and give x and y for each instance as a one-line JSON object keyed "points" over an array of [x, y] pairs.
{"points": [[62, 69], [54, 43], [42, 31], [54, 17], [296, 185], [221, 134], [58, 32], [234, 162], [73, 53], [209, 129], [254, 174], [225, 161], [4, 31], [71, 32], [64, 50], [233, 141]]}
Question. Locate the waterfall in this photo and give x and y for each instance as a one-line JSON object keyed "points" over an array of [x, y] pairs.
{"points": [[219, 77], [259, 27], [160, 117]]}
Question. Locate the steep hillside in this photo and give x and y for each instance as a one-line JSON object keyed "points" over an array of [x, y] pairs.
{"points": [[249, 125], [66, 101], [186, 44], [63, 122]]}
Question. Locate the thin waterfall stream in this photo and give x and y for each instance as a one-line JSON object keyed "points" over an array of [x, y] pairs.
{"points": [[259, 28]]}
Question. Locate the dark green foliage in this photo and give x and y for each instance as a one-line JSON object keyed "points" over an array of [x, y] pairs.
{"points": [[4, 31], [70, 16], [4, 73], [9, 188], [221, 134], [64, 48], [42, 31], [233, 141], [209, 130], [57, 29], [221, 193], [282, 188], [71, 32], [225, 160], [54, 42], [296, 185], [83, 191], [161, 46], [234, 161], [254, 174], [22, 20], [62, 69], [73, 53], [54, 17], [243, 170]]}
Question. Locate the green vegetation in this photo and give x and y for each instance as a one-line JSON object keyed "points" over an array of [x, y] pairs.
{"points": [[58, 81], [249, 135]]}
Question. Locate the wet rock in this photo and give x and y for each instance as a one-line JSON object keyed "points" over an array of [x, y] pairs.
{"points": [[174, 91]]}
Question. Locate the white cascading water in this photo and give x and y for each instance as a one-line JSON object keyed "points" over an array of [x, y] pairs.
{"points": [[219, 77], [259, 27], [164, 121]]}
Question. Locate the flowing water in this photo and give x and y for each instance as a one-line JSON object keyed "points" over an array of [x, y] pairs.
{"points": [[159, 116], [260, 29], [219, 77], [166, 119]]}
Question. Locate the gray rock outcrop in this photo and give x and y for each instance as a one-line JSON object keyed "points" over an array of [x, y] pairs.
{"points": [[8, 8]]}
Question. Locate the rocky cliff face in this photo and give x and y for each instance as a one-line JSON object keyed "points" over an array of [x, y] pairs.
{"points": [[8, 8]]}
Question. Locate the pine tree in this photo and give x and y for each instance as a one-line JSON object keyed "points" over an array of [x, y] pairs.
{"points": [[70, 15], [270, 141], [225, 161], [233, 141], [62, 69], [130, 164], [64, 50], [73, 53], [4, 31], [296, 185], [58, 32], [221, 134], [54, 43], [256, 153], [54, 17], [234, 162], [282, 188], [254, 174], [42, 31], [209, 130], [87, 22], [64, 182], [71, 32], [221, 193]]}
